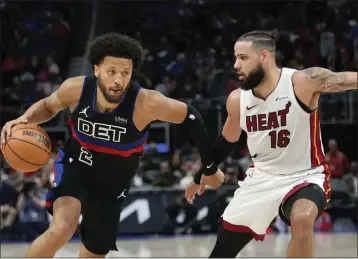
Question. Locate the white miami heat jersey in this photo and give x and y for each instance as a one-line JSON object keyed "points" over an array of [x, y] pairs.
{"points": [[281, 136]]}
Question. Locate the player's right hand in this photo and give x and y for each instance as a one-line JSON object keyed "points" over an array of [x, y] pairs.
{"points": [[6, 130], [214, 180]]}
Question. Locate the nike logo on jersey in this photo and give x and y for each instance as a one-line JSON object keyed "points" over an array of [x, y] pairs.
{"points": [[281, 98], [84, 111], [249, 108], [122, 194]]}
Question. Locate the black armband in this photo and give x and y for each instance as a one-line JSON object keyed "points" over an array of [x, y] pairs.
{"points": [[219, 151], [197, 177], [194, 124]]}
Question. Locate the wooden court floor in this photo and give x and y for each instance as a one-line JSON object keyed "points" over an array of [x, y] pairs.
{"points": [[340, 245]]}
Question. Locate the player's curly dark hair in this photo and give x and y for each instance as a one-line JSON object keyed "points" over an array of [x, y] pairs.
{"points": [[115, 45]]}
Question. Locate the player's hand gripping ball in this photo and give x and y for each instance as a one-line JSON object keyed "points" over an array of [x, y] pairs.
{"points": [[27, 148]]}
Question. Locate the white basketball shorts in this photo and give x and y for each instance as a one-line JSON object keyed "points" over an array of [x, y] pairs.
{"points": [[257, 201]]}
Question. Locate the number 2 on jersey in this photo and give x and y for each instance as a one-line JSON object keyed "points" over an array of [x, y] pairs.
{"points": [[85, 157], [279, 139]]}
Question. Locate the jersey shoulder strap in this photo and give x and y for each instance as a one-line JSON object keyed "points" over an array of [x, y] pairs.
{"points": [[87, 92]]}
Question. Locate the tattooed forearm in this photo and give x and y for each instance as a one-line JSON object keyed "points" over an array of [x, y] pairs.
{"points": [[328, 81]]}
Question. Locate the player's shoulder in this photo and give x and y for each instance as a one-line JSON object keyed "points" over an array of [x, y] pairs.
{"points": [[306, 76], [73, 83], [147, 96], [298, 75], [71, 89], [233, 102]]}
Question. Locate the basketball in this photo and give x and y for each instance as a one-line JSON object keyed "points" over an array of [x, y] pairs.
{"points": [[28, 148]]}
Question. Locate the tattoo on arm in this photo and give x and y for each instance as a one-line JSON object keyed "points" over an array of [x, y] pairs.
{"points": [[328, 81]]}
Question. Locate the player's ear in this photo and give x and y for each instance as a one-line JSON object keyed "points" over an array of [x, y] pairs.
{"points": [[264, 56], [96, 70]]}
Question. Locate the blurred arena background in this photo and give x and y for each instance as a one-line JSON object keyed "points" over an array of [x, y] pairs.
{"points": [[189, 45]]}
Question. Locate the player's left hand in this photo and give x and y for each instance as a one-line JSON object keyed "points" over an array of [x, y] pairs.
{"points": [[192, 190]]}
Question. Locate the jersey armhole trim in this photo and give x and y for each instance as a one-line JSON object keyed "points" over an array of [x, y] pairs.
{"points": [[241, 113], [81, 97], [301, 107], [304, 107]]}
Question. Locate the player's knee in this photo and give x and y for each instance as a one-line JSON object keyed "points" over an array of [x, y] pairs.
{"points": [[302, 219], [62, 230]]}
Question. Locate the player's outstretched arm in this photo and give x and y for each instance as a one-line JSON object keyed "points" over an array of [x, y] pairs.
{"points": [[324, 80], [159, 107], [67, 95], [225, 142], [222, 147]]}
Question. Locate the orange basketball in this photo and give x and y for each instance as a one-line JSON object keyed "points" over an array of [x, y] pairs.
{"points": [[28, 148]]}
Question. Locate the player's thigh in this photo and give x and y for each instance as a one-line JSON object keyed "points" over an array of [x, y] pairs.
{"points": [[254, 205], [99, 227], [312, 193], [312, 186], [69, 181]]}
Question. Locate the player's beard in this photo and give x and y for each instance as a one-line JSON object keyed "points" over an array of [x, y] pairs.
{"points": [[255, 77], [111, 98]]}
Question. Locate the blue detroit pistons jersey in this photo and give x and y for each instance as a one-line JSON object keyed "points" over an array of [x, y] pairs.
{"points": [[107, 144]]}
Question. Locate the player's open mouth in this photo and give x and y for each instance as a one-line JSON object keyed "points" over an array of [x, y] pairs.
{"points": [[117, 91], [240, 76]]}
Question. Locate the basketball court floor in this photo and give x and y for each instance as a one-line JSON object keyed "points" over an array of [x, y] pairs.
{"points": [[341, 245]]}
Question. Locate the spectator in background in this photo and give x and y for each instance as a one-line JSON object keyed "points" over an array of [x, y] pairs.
{"points": [[150, 165], [351, 179], [166, 178], [231, 176], [337, 160], [245, 161], [176, 165], [229, 162], [166, 86], [11, 198], [33, 42], [33, 215]]}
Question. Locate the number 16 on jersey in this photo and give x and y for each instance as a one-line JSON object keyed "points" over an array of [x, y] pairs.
{"points": [[279, 139]]}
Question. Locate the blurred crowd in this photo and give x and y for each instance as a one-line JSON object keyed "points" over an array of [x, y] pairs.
{"points": [[32, 55], [188, 56], [194, 46]]}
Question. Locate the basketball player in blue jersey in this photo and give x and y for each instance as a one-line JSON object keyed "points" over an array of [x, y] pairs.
{"points": [[109, 124], [277, 108]]}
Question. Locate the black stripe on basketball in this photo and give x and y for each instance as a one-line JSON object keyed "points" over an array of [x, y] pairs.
{"points": [[4, 153], [21, 157], [29, 143], [38, 129]]}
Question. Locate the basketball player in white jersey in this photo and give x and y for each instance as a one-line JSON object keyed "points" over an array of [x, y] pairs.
{"points": [[277, 108]]}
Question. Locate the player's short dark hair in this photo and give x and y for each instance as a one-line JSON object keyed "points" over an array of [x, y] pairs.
{"points": [[115, 45], [260, 39]]}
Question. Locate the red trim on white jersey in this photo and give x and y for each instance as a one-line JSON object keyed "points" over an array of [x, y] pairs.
{"points": [[317, 155]]}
